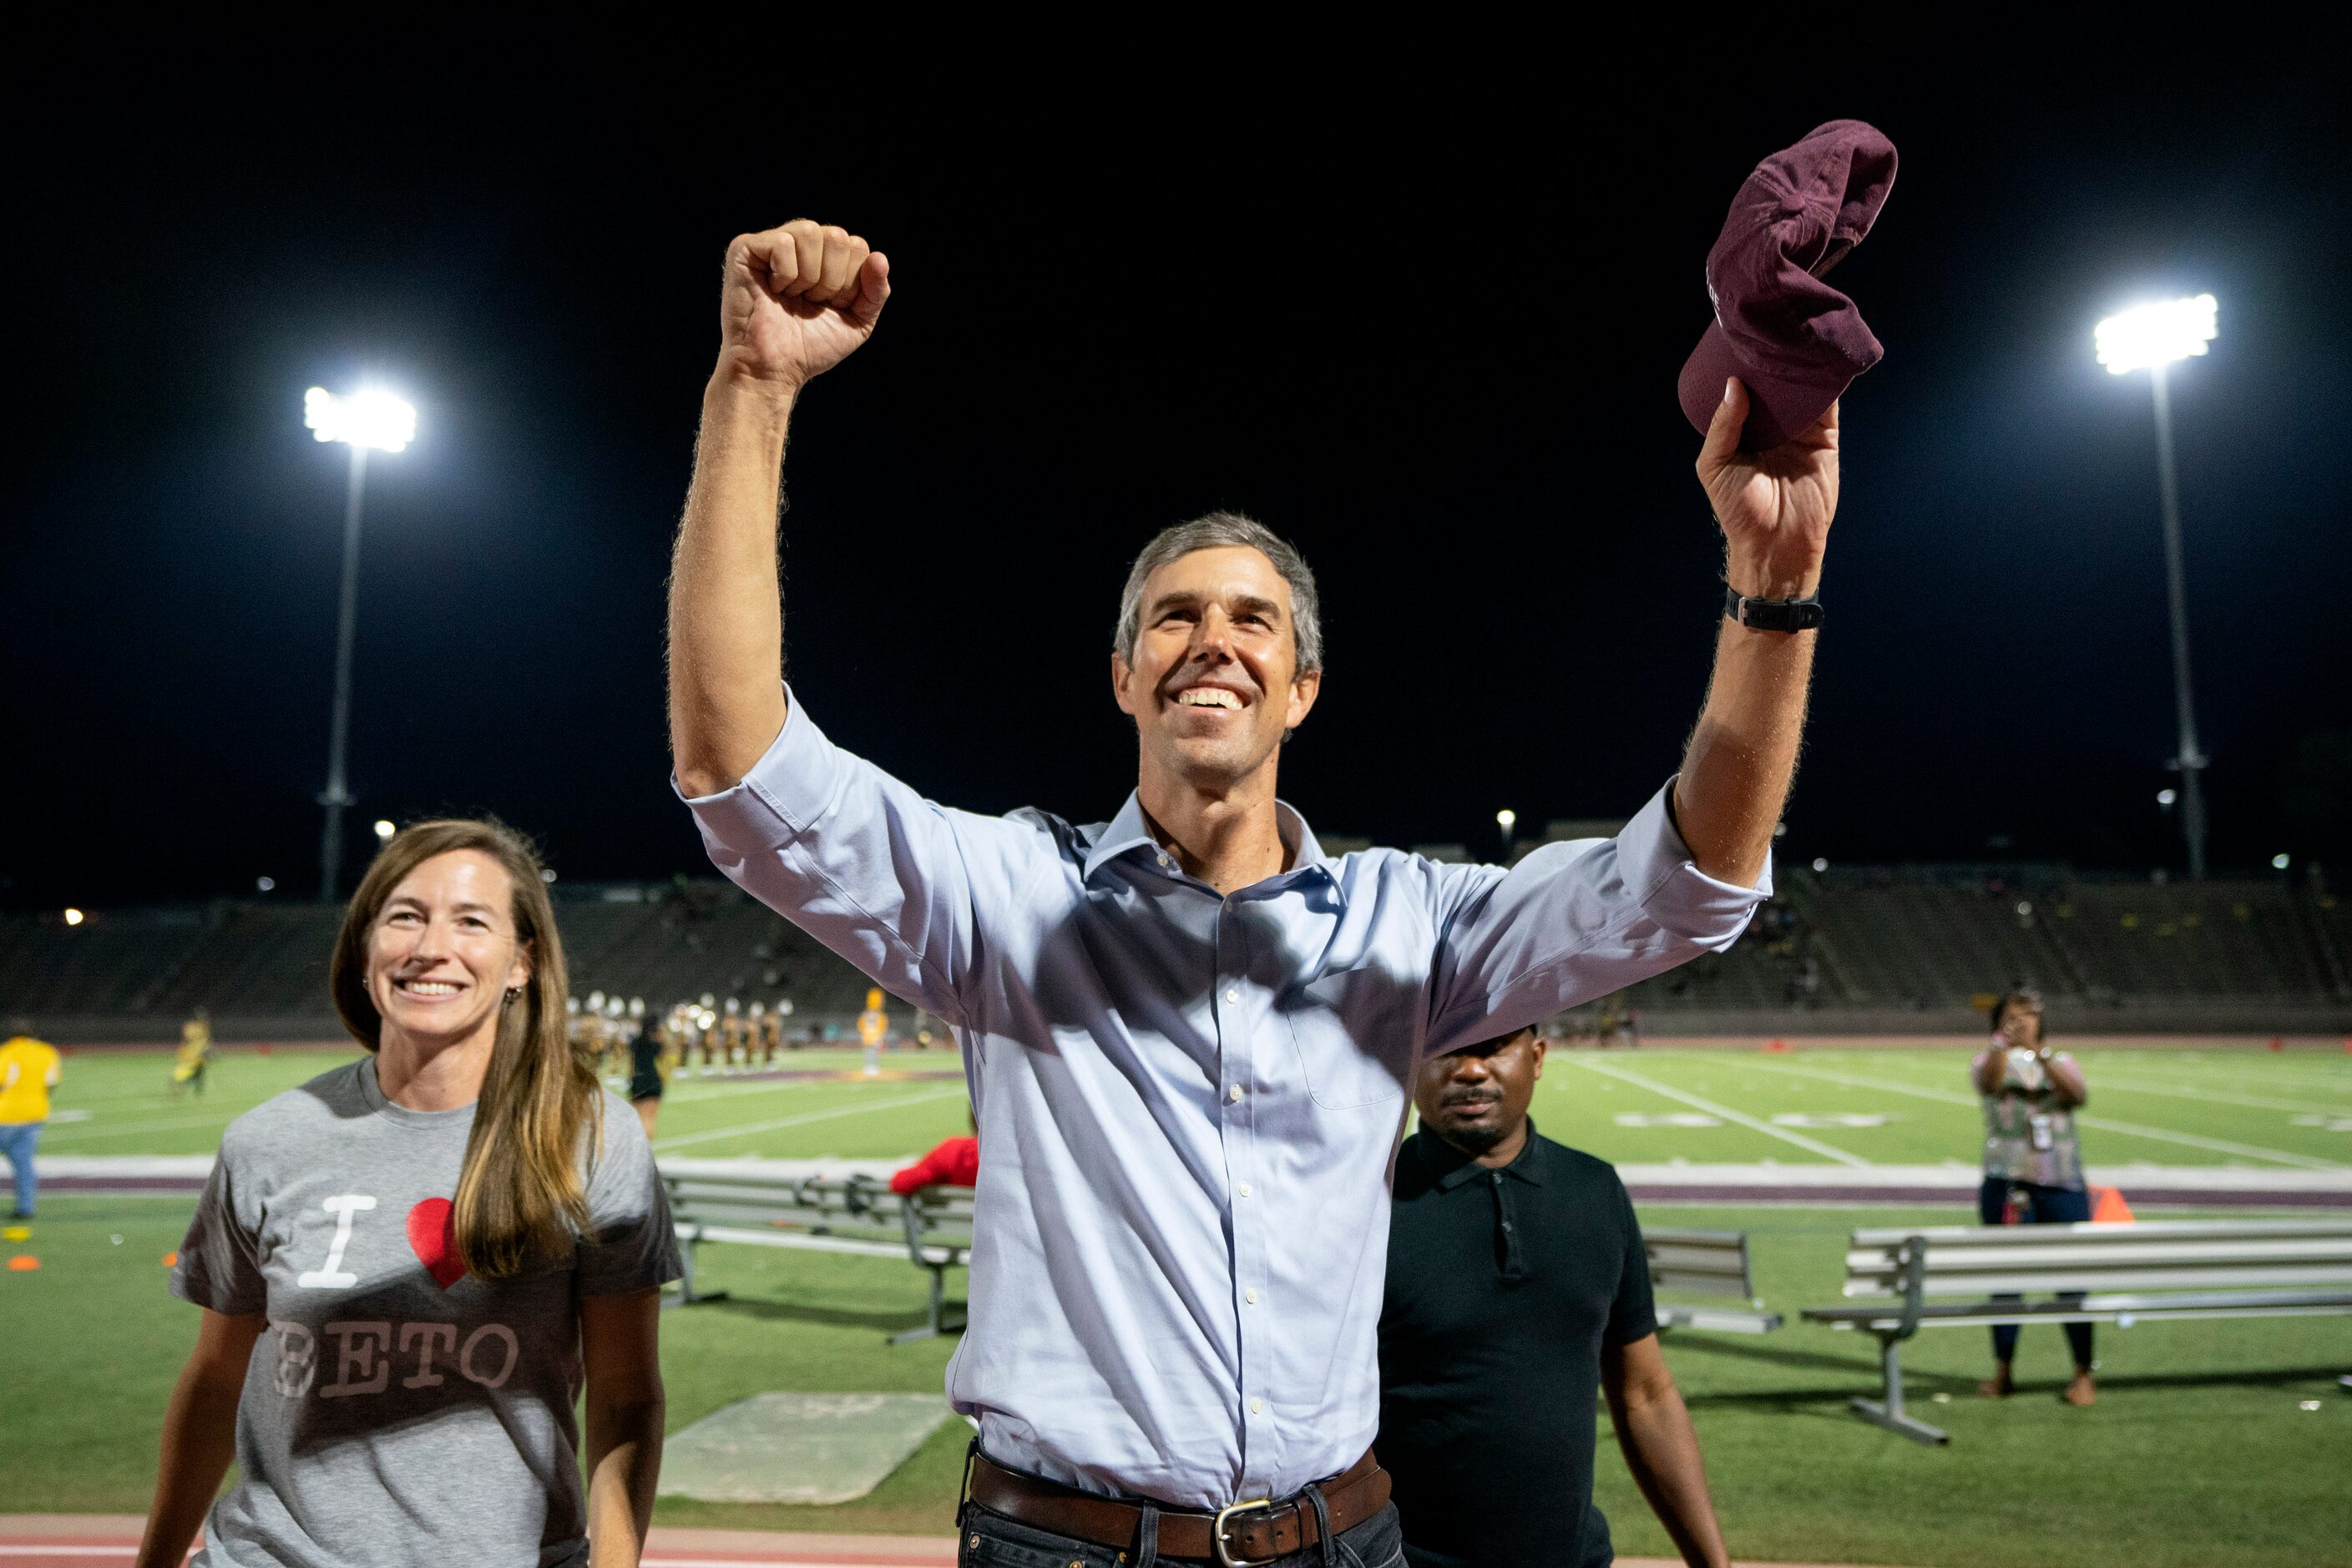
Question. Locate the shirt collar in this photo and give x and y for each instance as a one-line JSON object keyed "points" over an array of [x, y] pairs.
{"points": [[1126, 833], [1454, 1168]]}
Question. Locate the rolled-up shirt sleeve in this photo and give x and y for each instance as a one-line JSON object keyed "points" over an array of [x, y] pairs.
{"points": [[891, 881], [1573, 922]]}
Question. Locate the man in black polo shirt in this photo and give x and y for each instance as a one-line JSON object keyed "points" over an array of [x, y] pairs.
{"points": [[1517, 1285]]}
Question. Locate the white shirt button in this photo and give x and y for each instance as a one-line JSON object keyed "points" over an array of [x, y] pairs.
{"points": [[1257, 1406], [1250, 1297], [1234, 1093], [1245, 1189], [1232, 994]]}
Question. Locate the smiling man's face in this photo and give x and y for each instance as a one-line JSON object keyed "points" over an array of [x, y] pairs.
{"points": [[1214, 683]]}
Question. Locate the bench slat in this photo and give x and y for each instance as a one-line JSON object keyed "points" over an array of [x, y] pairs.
{"points": [[2052, 1235], [1734, 1285], [2099, 1310], [1960, 1258], [2143, 1278]]}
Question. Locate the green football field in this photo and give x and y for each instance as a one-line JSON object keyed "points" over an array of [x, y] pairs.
{"points": [[2259, 1109], [2212, 1442]]}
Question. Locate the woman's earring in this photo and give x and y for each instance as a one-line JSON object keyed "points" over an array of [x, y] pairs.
{"points": [[513, 992]]}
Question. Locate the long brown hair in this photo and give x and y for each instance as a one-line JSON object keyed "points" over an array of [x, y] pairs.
{"points": [[521, 1198]]}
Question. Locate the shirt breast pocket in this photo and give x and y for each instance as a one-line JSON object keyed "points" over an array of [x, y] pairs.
{"points": [[1356, 1035]]}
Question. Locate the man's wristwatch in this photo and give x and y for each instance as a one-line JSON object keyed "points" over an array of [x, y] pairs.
{"points": [[1772, 615]]}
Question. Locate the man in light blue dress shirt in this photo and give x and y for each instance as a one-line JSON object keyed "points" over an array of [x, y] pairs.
{"points": [[1190, 1034]]}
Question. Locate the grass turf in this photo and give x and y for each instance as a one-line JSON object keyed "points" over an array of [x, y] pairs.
{"points": [[2253, 1109], [2198, 1452]]}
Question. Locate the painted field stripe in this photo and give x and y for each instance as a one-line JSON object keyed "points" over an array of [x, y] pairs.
{"points": [[1708, 1106], [92, 1129], [2096, 1123], [713, 1092], [748, 1128], [2326, 1083], [2108, 1081]]}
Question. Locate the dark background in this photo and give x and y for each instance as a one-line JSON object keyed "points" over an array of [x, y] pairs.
{"points": [[1421, 310]]}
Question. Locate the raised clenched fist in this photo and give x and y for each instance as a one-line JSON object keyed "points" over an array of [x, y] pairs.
{"points": [[797, 300]]}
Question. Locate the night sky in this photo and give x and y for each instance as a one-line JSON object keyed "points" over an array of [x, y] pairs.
{"points": [[1422, 316]]}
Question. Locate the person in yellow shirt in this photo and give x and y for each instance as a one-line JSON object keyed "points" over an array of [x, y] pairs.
{"points": [[195, 1055], [28, 1070]]}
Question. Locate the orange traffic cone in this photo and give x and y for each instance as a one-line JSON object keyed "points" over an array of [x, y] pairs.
{"points": [[2108, 1208]]}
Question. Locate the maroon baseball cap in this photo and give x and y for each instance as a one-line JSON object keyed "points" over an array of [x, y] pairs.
{"points": [[1793, 340]]}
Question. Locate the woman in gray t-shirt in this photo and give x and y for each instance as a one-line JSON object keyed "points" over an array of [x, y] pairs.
{"points": [[409, 1266]]}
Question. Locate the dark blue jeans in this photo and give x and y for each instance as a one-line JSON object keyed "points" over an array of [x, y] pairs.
{"points": [[985, 1538], [16, 1141], [2043, 1205]]}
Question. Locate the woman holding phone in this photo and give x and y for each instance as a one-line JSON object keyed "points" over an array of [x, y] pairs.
{"points": [[410, 1265], [2033, 1160]]}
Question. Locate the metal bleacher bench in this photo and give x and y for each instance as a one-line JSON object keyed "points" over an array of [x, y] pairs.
{"points": [[826, 1213], [2120, 1274], [1705, 1263]]}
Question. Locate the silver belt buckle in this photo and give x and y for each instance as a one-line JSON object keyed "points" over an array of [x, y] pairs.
{"points": [[1217, 1532]]}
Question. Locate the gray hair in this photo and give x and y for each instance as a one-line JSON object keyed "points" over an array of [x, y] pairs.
{"points": [[1219, 529]]}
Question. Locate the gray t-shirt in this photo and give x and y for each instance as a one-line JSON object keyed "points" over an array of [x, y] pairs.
{"points": [[398, 1410]]}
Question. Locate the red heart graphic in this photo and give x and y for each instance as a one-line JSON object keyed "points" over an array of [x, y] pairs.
{"points": [[433, 1237]]}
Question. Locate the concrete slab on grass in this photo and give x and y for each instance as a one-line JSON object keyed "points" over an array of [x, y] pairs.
{"points": [[798, 1448]]}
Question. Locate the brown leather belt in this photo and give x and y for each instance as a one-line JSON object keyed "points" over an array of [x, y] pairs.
{"points": [[1258, 1531]]}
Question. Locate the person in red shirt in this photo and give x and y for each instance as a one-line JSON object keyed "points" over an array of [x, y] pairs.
{"points": [[954, 1163]]}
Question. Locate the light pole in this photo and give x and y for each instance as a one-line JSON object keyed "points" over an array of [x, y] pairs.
{"points": [[2150, 338], [1507, 819], [365, 421]]}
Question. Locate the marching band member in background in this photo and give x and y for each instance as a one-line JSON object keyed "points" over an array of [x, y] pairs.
{"points": [[409, 1265], [650, 1061], [2032, 1161], [873, 1026], [195, 1055]]}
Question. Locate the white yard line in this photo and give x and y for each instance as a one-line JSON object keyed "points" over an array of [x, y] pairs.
{"points": [[702, 1091], [2326, 1083], [2219, 1096], [749, 1128], [1708, 1106], [92, 1130], [2097, 1124]]}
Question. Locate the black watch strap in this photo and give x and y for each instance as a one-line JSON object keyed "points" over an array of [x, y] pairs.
{"points": [[1772, 615]]}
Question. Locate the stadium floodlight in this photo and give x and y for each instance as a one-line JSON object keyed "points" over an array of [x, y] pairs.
{"points": [[74, 917], [383, 827], [2150, 338], [367, 420], [2281, 862], [265, 884], [1819, 864], [2164, 798], [1506, 818]]}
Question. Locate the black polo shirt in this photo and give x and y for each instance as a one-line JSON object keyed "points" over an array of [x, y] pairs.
{"points": [[1503, 1288]]}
